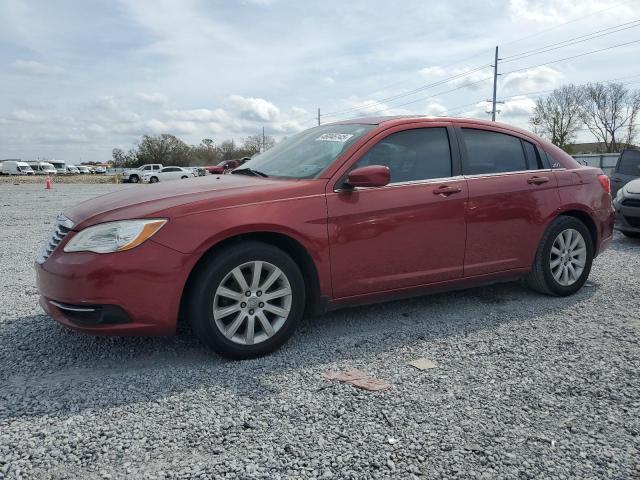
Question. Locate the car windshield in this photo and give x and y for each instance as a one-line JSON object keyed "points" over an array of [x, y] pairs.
{"points": [[308, 153]]}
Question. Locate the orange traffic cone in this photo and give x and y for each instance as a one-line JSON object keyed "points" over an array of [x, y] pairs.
{"points": [[47, 183]]}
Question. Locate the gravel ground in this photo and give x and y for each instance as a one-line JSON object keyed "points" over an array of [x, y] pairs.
{"points": [[526, 386], [40, 179]]}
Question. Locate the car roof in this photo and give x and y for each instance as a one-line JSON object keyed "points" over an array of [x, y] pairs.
{"points": [[390, 121]]}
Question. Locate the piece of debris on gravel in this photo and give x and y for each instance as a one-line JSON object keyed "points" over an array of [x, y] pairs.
{"points": [[358, 379], [422, 364], [534, 386]]}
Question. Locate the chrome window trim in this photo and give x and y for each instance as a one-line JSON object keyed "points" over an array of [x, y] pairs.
{"points": [[427, 181], [516, 172]]}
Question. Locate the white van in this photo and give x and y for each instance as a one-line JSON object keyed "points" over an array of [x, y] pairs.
{"points": [[59, 165], [43, 168], [16, 167]]}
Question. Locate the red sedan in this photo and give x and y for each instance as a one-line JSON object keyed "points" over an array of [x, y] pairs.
{"points": [[348, 213]]}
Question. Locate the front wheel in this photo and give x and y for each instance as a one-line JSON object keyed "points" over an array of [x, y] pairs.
{"points": [[563, 260], [134, 179], [183, 177], [631, 234], [246, 300], [153, 180]]}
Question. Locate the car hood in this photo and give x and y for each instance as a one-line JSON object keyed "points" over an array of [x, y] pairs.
{"points": [[633, 187], [182, 197]]}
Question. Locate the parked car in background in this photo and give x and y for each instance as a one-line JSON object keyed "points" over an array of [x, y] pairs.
{"points": [[16, 167], [42, 168], [405, 206], [72, 169], [627, 169], [135, 175], [101, 170], [167, 173], [83, 169], [199, 171], [627, 206], [59, 165], [224, 166]]}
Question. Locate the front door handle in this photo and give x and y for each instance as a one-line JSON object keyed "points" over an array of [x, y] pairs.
{"points": [[447, 190], [538, 180]]}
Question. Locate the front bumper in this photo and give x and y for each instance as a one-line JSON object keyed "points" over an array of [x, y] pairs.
{"points": [[627, 214], [135, 292]]}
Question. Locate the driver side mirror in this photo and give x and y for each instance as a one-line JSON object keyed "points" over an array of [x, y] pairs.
{"points": [[369, 176]]}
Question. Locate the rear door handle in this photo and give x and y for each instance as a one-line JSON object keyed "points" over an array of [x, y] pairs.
{"points": [[538, 180], [447, 190]]}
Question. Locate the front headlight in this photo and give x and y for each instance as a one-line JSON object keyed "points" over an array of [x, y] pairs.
{"points": [[114, 236], [620, 194]]}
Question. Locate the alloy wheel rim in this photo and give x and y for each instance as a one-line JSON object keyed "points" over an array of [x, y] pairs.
{"points": [[252, 302], [568, 257]]}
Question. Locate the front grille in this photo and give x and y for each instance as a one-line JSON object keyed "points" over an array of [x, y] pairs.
{"points": [[633, 221], [62, 226], [631, 202]]}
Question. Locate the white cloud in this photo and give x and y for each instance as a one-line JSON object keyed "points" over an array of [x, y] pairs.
{"points": [[199, 115], [520, 106], [26, 116], [255, 108], [474, 80], [328, 81], [30, 67], [533, 79], [153, 98]]}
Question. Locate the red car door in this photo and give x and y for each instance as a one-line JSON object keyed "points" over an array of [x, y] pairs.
{"points": [[512, 196], [408, 233]]}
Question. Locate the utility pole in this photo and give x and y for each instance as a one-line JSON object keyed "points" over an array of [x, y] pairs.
{"points": [[318, 115], [263, 140], [495, 86]]}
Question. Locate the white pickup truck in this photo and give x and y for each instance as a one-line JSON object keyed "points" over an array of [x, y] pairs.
{"points": [[135, 175]]}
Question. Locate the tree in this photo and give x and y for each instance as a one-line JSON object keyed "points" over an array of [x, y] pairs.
{"points": [[610, 112], [121, 159], [206, 153], [257, 143], [228, 150], [558, 116], [165, 148]]}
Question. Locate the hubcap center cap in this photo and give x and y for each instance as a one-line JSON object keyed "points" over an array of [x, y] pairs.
{"points": [[253, 302]]}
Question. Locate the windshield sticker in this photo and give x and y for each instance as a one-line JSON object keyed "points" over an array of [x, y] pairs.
{"points": [[334, 137]]}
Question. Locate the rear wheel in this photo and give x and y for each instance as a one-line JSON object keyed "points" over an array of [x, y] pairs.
{"points": [[134, 179], [246, 300], [153, 180], [631, 234], [183, 177], [563, 260]]}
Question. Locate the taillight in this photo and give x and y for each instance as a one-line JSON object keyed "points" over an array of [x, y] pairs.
{"points": [[604, 181]]}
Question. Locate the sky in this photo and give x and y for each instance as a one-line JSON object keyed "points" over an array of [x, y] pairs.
{"points": [[80, 78]]}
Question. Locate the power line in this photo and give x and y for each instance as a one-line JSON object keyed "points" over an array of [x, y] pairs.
{"points": [[408, 93], [573, 56], [569, 42], [555, 27]]}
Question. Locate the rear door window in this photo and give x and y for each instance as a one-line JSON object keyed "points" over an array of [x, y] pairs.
{"points": [[629, 163], [492, 152]]}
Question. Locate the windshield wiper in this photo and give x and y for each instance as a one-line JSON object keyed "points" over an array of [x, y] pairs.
{"points": [[249, 171]]}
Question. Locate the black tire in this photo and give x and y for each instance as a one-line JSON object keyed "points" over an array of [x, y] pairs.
{"points": [[209, 276], [540, 278], [153, 180], [134, 179], [631, 234], [183, 177]]}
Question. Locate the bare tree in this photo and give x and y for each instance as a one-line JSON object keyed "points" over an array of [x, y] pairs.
{"points": [[610, 112], [257, 143], [557, 116]]}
